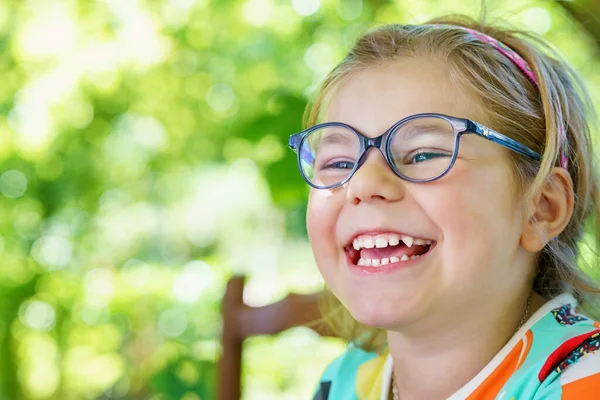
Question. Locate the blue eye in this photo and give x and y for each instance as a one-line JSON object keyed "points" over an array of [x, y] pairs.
{"points": [[426, 156], [339, 165]]}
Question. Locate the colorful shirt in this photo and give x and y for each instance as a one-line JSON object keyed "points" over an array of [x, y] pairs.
{"points": [[553, 356]]}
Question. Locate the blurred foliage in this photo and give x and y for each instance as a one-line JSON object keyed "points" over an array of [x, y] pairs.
{"points": [[143, 160]]}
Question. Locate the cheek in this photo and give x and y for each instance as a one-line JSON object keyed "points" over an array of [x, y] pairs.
{"points": [[321, 218], [475, 212]]}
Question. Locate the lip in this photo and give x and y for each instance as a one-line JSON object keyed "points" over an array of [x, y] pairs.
{"points": [[388, 268]]}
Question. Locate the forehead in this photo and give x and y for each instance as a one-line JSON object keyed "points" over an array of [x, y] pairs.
{"points": [[373, 99]]}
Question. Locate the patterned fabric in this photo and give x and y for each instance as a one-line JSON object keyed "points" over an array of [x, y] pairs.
{"points": [[564, 316], [555, 355], [589, 346]]}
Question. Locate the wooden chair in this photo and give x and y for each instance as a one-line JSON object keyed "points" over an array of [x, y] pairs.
{"points": [[241, 321]]}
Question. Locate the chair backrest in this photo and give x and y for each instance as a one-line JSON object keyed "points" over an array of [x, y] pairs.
{"points": [[241, 321]]}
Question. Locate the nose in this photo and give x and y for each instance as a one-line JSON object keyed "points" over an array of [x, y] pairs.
{"points": [[374, 180]]}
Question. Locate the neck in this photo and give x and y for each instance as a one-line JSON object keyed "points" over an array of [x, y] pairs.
{"points": [[431, 356]]}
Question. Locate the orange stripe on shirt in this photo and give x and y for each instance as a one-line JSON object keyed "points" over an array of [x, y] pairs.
{"points": [[492, 385], [587, 388]]}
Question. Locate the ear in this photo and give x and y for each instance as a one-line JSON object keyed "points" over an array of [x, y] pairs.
{"points": [[549, 211]]}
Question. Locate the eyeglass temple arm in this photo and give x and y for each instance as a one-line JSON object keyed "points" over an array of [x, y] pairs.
{"points": [[294, 144], [502, 140], [294, 141]]}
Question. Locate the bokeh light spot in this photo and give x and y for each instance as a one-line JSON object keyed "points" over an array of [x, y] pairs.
{"points": [[27, 224], [192, 281], [537, 19], [99, 283], [258, 12], [53, 252], [37, 315], [184, 4], [172, 322], [32, 122], [95, 314], [220, 97], [319, 57], [13, 184], [136, 273], [147, 131], [86, 369], [349, 9], [51, 33], [38, 373], [306, 7]]}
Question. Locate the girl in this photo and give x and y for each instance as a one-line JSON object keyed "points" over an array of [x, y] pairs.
{"points": [[451, 174]]}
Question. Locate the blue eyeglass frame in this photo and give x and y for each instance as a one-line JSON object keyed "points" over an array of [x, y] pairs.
{"points": [[461, 126]]}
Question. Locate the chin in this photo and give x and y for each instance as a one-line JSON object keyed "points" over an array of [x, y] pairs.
{"points": [[381, 315]]}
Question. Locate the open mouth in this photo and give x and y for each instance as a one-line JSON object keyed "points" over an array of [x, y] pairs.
{"points": [[388, 248]]}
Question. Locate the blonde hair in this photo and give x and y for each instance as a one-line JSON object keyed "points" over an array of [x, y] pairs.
{"points": [[511, 102]]}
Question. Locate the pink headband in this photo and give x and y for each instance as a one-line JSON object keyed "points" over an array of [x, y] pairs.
{"points": [[526, 69]]}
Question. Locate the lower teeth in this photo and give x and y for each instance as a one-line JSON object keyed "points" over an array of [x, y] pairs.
{"points": [[366, 262]]}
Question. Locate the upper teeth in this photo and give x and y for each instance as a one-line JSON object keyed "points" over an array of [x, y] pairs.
{"points": [[385, 240]]}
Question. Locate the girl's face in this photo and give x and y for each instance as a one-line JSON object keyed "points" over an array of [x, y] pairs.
{"points": [[472, 215]]}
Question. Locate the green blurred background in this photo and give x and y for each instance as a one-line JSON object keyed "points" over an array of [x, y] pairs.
{"points": [[143, 161]]}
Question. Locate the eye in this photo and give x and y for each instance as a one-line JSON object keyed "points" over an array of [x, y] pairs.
{"points": [[426, 156], [339, 165]]}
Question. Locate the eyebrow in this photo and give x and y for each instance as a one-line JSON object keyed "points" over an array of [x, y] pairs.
{"points": [[415, 130], [337, 138]]}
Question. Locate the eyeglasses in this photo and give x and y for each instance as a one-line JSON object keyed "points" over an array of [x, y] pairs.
{"points": [[418, 148]]}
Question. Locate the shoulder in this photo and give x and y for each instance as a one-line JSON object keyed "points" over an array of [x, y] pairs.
{"points": [[559, 346], [561, 329], [570, 366], [340, 377], [581, 380], [347, 363], [577, 381]]}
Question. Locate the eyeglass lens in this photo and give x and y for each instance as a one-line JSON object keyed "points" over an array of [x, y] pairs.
{"points": [[420, 149]]}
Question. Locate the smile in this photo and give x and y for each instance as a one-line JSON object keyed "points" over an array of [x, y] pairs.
{"points": [[386, 248]]}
